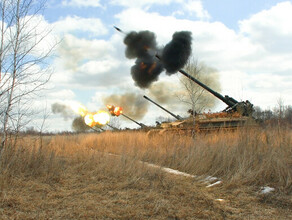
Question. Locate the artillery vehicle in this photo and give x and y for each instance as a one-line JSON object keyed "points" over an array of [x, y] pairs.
{"points": [[236, 114]]}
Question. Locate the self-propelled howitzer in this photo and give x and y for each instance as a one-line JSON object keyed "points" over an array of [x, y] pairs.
{"points": [[236, 114], [245, 108]]}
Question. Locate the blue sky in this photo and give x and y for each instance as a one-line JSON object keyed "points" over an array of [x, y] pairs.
{"points": [[247, 42], [228, 12]]}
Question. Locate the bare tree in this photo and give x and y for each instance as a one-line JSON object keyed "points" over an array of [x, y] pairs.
{"points": [[280, 108], [24, 49], [197, 98], [279, 111], [288, 115]]}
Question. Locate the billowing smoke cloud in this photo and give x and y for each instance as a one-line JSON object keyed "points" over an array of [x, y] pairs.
{"points": [[139, 43], [163, 92], [177, 52], [133, 104], [142, 46], [79, 125], [146, 70], [64, 110]]}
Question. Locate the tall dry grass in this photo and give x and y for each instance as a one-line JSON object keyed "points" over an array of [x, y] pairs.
{"points": [[248, 156], [252, 156], [100, 176], [29, 158]]}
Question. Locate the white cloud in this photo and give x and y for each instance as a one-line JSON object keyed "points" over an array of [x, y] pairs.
{"points": [[142, 3], [74, 51], [97, 66], [192, 7], [196, 7], [178, 13], [94, 63], [271, 28], [35, 34], [76, 25], [68, 93], [81, 3], [162, 26]]}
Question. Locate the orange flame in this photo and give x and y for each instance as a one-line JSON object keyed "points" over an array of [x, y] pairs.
{"points": [[152, 67], [79, 109], [98, 118], [91, 118], [118, 110], [115, 111], [143, 65]]}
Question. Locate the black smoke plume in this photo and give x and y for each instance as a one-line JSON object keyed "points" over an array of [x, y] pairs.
{"points": [[146, 69], [142, 46], [139, 43], [177, 52]]}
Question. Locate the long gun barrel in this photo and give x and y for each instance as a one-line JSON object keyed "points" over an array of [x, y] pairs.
{"points": [[244, 108], [176, 116], [101, 129], [227, 100], [112, 127], [140, 124]]}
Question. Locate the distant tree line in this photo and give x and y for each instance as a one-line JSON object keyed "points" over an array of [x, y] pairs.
{"points": [[280, 115]]}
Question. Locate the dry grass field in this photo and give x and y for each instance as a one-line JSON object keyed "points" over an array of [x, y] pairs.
{"points": [[102, 176]]}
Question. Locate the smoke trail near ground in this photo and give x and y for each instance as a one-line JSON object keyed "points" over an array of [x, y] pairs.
{"points": [[163, 92], [64, 110], [79, 125], [133, 104], [187, 93], [142, 46]]}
